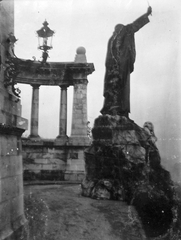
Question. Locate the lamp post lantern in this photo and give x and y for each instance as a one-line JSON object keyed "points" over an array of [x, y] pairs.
{"points": [[45, 35]]}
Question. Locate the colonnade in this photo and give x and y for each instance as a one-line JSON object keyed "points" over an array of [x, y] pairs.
{"points": [[62, 74], [79, 113]]}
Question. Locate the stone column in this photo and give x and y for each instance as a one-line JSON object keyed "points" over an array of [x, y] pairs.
{"points": [[63, 113], [34, 112], [75, 166], [79, 113]]}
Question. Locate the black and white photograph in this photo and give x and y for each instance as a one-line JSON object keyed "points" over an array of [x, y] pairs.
{"points": [[90, 120]]}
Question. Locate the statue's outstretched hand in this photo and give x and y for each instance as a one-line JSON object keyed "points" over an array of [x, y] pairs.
{"points": [[149, 11]]}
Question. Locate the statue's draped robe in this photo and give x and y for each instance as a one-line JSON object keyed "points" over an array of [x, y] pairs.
{"points": [[119, 64]]}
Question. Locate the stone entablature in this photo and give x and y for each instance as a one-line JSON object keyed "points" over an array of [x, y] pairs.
{"points": [[51, 73], [62, 74]]}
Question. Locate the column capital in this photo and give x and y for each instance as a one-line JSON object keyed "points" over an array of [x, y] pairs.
{"points": [[63, 87], [80, 81], [35, 86]]}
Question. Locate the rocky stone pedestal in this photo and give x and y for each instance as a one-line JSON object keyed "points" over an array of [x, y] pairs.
{"points": [[123, 163]]}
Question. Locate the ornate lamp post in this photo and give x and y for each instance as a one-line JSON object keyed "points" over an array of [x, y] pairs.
{"points": [[45, 43]]}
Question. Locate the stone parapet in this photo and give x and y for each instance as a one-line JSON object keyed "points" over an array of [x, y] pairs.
{"points": [[50, 159], [54, 73], [61, 140], [74, 176]]}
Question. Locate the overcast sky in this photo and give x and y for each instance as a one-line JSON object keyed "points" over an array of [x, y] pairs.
{"points": [[155, 82]]}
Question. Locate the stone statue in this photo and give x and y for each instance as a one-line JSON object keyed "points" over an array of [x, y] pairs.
{"points": [[119, 65], [149, 128]]}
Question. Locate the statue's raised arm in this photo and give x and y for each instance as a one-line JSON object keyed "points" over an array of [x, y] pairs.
{"points": [[119, 65], [141, 21]]}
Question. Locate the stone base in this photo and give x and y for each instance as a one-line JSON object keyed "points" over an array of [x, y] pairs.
{"points": [[106, 189], [61, 140], [74, 176], [49, 175], [123, 163], [117, 158], [33, 137], [49, 159]]}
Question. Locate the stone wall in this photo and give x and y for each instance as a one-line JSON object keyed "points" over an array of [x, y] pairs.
{"points": [[12, 219], [50, 161]]}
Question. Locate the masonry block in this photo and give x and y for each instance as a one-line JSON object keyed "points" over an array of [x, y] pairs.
{"points": [[75, 165], [10, 166], [33, 167], [4, 145], [9, 189], [17, 207], [19, 185], [74, 176], [11, 128], [1, 101], [18, 165], [4, 214]]}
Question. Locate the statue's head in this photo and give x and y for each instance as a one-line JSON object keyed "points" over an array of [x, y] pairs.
{"points": [[149, 126], [118, 28]]}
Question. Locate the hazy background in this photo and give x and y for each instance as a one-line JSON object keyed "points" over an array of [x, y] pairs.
{"points": [[155, 82]]}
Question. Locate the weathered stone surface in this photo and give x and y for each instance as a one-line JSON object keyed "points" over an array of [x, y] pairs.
{"points": [[12, 125], [52, 175], [79, 115], [100, 192], [75, 176], [60, 160], [124, 164], [87, 187]]}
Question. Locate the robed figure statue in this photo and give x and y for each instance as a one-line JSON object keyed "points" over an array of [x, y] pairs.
{"points": [[119, 65]]}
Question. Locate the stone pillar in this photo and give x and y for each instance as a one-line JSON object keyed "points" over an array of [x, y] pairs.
{"points": [[79, 140], [63, 113], [79, 113], [34, 112]]}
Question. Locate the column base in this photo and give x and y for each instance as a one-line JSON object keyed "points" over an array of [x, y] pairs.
{"points": [[75, 176], [60, 140], [80, 141], [34, 137]]}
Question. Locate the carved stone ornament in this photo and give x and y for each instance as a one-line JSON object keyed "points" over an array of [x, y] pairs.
{"points": [[10, 74], [10, 130], [11, 66]]}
